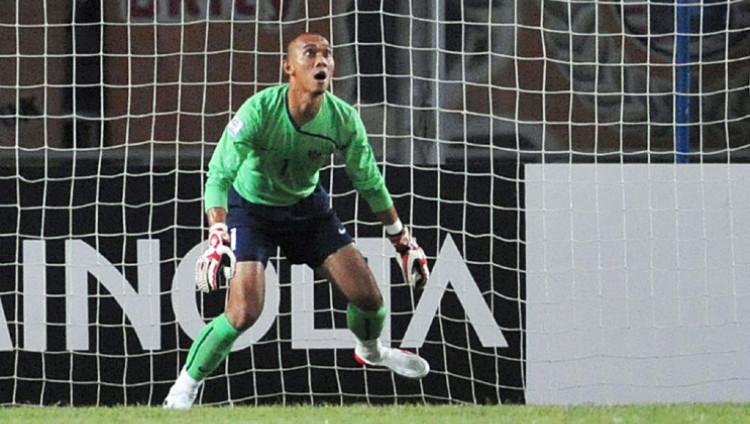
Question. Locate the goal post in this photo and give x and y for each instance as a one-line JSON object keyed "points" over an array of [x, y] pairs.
{"points": [[531, 146]]}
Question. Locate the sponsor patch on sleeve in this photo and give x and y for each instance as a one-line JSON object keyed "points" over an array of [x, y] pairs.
{"points": [[235, 126]]}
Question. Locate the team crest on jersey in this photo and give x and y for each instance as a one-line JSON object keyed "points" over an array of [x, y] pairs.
{"points": [[235, 126]]}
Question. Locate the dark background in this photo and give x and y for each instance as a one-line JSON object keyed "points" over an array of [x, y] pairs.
{"points": [[110, 206]]}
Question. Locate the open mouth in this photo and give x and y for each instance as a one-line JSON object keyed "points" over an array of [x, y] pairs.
{"points": [[320, 75]]}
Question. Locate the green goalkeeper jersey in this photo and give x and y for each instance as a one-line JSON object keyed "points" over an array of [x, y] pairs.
{"points": [[270, 160]]}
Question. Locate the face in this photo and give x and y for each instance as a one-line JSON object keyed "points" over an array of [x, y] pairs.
{"points": [[309, 63]]}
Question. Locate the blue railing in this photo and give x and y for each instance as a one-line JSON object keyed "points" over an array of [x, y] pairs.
{"points": [[684, 14]]}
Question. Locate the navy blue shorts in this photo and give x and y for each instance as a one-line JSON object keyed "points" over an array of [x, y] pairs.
{"points": [[307, 231]]}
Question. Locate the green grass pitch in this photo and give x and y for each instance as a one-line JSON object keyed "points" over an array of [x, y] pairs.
{"points": [[713, 413]]}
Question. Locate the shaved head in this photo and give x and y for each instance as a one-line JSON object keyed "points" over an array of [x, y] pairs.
{"points": [[303, 39]]}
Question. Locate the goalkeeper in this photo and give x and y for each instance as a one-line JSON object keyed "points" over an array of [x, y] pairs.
{"points": [[263, 190]]}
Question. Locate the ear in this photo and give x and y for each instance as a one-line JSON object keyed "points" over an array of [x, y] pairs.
{"points": [[287, 67]]}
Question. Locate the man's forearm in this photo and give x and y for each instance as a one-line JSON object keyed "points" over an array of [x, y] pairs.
{"points": [[216, 215], [388, 216], [390, 220]]}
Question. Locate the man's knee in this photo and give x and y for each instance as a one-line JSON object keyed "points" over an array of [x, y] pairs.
{"points": [[246, 295], [243, 317], [368, 301]]}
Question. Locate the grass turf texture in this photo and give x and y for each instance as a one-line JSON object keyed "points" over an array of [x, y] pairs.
{"points": [[713, 413]]}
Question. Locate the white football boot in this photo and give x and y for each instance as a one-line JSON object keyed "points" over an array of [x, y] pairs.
{"points": [[402, 362], [183, 392]]}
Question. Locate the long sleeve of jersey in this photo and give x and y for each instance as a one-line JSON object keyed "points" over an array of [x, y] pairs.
{"points": [[363, 169], [233, 148]]}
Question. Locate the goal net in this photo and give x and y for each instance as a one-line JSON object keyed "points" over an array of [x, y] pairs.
{"points": [[478, 112]]}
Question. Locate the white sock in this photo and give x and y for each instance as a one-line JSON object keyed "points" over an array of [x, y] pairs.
{"points": [[371, 350], [185, 381]]}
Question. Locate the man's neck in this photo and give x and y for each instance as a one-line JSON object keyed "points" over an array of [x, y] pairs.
{"points": [[303, 105]]}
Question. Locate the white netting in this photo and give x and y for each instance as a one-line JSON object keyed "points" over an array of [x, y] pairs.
{"points": [[109, 112]]}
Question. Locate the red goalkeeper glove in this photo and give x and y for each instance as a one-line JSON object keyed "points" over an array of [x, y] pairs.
{"points": [[411, 259], [218, 257]]}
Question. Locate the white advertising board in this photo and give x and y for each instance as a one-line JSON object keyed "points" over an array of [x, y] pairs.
{"points": [[638, 283]]}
